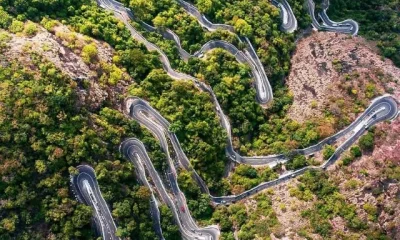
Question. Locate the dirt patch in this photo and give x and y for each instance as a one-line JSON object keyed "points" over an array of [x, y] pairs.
{"points": [[327, 67], [63, 48]]}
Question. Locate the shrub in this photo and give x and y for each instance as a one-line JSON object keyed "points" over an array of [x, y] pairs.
{"points": [[5, 19], [367, 142], [355, 151], [30, 29], [351, 184], [371, 210], [89, 53], [328, 151], [16, 26]]}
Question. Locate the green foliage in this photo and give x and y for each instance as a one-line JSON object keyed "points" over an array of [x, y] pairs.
{"points": [[48, 134], [355, 151], [143, 9], [379, 21], [16, 26], [170, 231], [34, 10], [371, 210], [168, 14], [193, 121], [243, 28], [328, 151], [89, 53], [366, 142], [89, 20], [30, 29], [258, 220], [296, 162], [330, 203], [5, 19], [269, 132], [245, 177], [300, 10], [392, 171]]}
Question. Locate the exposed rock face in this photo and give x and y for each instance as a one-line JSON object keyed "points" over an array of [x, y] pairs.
{"points": [[46, 44], [63, 48], [324, 67], [329, 66]]}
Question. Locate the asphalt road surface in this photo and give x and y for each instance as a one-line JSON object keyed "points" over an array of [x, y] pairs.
{"points": [[289, 21], [86, 189], [135, 151], [381, 108], [248, 56], [348, 26], [166, 185]]}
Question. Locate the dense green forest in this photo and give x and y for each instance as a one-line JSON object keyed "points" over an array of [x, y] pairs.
{"points": [[46, 133], [44, 136], [379, 21], [193, 121]]}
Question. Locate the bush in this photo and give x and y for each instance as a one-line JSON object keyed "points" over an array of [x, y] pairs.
{"points": [[355, 151], [5, 19], [328, 151], [89, 53], [367, 142], [30, 29], [16, 26], [297, 162]]}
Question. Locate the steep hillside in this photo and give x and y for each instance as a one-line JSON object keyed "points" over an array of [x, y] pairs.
{"points": [[335, 76]]}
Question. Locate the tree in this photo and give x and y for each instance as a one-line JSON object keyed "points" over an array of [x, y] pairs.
{"points": [[82, 216], [328, 151], [16, 26], [159, 22], [208, 6], [89, 53], [366, 142], [243, 28], [297, 162], [30, 29], [5, 19], [142, 9], [355, 151]]}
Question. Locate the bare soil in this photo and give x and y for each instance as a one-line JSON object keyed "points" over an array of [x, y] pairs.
{"points": [[327, 66], [63, 48]]}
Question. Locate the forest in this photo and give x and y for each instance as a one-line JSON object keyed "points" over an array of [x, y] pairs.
{"points": [[47, 132], [379, 21]]}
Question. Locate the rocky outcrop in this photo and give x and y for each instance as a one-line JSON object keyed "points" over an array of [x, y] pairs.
{"points": [[328, 66], [63, 48]]}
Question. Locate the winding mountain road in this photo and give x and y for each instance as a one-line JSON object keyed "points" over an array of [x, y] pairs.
{"points": [[289, 21], [166, 186], [348, 26], [86, 190], [248, 56]]}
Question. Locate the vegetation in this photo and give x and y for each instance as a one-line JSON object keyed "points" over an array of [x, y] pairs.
{"points": [[257, 131], [297, 161], [167, 14], [193, 121], [366, 142], [246, 177], [47, 131], [330, 203], [328, 151], [379, 21], [45, 135], [198, 203], [250, 221]]}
